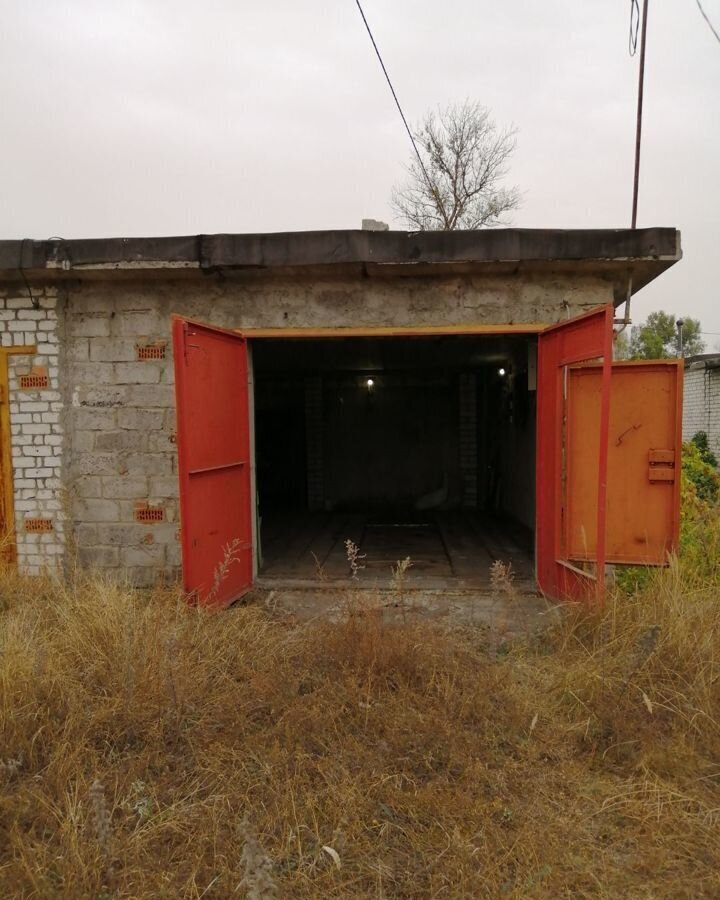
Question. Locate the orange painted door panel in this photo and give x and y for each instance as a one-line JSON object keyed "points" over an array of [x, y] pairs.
{"points": [[561, 346], [211, 390], [644, 451]]}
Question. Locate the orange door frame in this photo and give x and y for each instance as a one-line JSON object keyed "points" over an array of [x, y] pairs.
{"points": [[8, 538], [584, 337], [391, 331]]}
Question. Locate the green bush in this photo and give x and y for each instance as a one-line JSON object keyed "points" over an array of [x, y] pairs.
{"points": [[700, 465], [700, 524], [701, 441]]}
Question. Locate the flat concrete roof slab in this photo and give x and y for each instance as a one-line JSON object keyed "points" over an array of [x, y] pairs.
{"points": [[614, 254]]}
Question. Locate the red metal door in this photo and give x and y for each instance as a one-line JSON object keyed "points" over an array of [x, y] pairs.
{"points": [[644, 455], [211, 390], [586, 337]]}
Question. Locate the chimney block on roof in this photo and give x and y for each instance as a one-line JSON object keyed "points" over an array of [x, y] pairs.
{"points": [[374, 225]]}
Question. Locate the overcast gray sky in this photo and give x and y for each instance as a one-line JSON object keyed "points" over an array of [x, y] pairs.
{"points": [[149, 117]]}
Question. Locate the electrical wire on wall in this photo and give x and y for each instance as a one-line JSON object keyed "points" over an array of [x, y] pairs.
{"points": [[60, 245], [21, 269]]}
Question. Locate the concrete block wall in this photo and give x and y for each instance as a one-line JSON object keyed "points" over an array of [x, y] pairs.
{"points": [[36, 425], [120, 447], [701, 404]]}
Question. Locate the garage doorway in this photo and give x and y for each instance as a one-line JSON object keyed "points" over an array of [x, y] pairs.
{"points": [[446, 462], [419, 447]]}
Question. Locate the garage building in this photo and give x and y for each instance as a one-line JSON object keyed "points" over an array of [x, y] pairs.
{"points": [[237, 407]]}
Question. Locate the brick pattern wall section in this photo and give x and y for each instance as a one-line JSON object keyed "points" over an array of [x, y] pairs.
{"points": [[121, 418], [713, 406], [694, 403], [701, 405], [469, 438], [36, 426], [314, 442]]}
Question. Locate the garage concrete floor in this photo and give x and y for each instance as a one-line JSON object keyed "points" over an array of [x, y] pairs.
{"points": [[504, 615], [449, 550]]}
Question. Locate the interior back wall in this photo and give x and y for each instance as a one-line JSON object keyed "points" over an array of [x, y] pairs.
{"points": [[391, 446]]}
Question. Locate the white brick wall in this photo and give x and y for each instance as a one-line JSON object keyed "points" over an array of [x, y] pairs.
{"points": [[701, 404], [35, 425]]}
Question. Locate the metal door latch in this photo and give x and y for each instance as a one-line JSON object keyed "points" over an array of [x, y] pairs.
{"points": [[661, 465]]}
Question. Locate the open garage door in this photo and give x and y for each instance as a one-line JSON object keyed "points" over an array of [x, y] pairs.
{"points": [[608, 455], [581, 339], [211, 389], [644, 453], [607, 464]]}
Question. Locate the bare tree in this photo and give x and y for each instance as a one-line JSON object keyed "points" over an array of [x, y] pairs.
{"points": [[465, 157]]}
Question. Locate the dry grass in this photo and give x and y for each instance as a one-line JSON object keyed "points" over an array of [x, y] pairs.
{"points": [[153, 750]]}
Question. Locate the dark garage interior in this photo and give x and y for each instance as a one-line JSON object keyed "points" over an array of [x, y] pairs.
{"points": [[420, 447]]}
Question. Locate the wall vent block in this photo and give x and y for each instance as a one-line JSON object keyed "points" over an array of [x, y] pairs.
{"points": [[149, 515], [38, 526], [36, 381], [147, 352]]}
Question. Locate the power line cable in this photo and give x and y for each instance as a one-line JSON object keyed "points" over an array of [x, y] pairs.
{"points": [[714, 333], [641, 91], [433, 190], [634, 26], [709, 23]]}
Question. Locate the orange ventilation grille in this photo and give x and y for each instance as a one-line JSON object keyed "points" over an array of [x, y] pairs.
{"points": [[35, 382], [38, 526], [149, 515], [151, 351]]}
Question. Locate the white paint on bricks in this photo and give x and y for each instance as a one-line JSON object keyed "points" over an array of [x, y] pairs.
{"points": [[36, 445]]}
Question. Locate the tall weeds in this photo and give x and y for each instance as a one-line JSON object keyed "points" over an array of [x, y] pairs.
{"points": [[153, 749]]}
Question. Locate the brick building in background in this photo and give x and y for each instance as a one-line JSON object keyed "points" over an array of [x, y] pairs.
{"points": [[402, 390], [701, 406]]}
